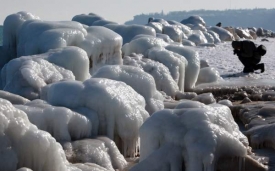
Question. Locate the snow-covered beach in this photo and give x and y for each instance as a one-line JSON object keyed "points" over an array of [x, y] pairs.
{"points": [[91, 94]]}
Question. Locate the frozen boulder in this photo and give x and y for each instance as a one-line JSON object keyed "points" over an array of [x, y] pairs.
{"points": [[103, 47], [206, 98], [142, 82], [174, 32], [156, 25], [62, 123], [121, 110], [163, 79], [26, 76], [173, 61], [142, 44], [194, 20], [200, 135], [87, 19], [24, 145], [193, 67], [101, 151], [127, 32], [208, 75], [223, 33]]}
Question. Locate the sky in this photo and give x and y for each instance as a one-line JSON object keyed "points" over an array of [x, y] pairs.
{"points": [[119, 10]]}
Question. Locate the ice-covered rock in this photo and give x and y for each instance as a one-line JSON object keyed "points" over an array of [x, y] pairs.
{"points": [[13, 98], [173, 61], [26, 76], [87, 19], [193, 67], [142, 44], [36, 36], [216, 135], [101, 151], [224, 35], [164, 37], [23, 145], [208, 75], [62, 123], [174, 32], [156, 25], [142, 82], [121, 110], [186, 42], [197, 37], [206, 98], [215, 36], [194, 20], [127, 32], [163, 79], [103, 47]]}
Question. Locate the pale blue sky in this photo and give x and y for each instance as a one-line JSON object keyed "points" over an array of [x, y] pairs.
{"points": [[118, 10]]}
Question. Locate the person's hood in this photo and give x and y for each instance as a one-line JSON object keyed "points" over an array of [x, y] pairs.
{"points": [[236, 44]]}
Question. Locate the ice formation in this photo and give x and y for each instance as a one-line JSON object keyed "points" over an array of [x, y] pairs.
{"points": [[164, 37], [103, 46], [26, 76], [173, 61], [199, 138], [193, 67], [156, 25], [174, 32], [12, 25], [215, 36], [121, 111], [62, 123], [13, 98], [208, 75], [142, 82], [23, 145], [37, 36], [163, 79], [197, 37], [71, 58], [224, 35], [130, 31], [101, 151], [206, 98], [194, 20], [87, 19], [186, 42], [142, 44]]}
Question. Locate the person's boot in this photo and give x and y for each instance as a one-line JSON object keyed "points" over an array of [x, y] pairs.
{"points": [[260, 66]]}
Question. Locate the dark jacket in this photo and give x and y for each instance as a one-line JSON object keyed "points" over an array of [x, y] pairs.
{"points": [[247, 49]]}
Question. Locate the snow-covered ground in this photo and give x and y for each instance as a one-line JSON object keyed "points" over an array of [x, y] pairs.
{"points": [[221, 57]]}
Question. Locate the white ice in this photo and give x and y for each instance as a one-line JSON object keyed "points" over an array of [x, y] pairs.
{"points": [[26, 76], [101, 151], [163, 79], [103, 47], [142, 82], [62, 123], [214, 135], [23, 145], [121, 111]]}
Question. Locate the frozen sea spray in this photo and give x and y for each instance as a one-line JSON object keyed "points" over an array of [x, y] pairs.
{"points": [[121, 111], [142, 82]]}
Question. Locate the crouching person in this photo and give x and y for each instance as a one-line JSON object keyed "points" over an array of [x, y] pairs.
{"points": [[250, 55]]}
